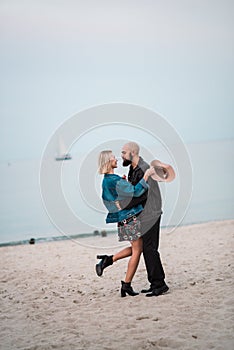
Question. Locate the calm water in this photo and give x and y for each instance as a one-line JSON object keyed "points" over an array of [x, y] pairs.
{"points": [[22, 214]]}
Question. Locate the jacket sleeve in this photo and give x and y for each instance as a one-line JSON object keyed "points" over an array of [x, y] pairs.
{"points": [[126, 189]]}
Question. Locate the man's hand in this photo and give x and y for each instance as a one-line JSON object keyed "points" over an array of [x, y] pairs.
{"points": [[148, 173]]}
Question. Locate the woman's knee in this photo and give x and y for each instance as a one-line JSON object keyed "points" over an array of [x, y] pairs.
{"points": [[137, 246]]}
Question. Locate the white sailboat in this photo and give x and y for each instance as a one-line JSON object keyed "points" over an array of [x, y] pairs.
{"points": [[62, 151]]}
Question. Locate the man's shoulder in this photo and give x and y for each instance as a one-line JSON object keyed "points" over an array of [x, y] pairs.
{"points": [[142, 164]]}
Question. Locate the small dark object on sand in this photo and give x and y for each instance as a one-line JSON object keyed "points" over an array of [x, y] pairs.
{"points": [[32, 241], [103, 233]]}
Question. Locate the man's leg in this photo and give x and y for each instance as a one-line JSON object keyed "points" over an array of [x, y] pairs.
{"points": [[151, 255]]}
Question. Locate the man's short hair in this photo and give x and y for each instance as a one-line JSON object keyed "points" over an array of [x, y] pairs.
{"points": [[133, 146]]}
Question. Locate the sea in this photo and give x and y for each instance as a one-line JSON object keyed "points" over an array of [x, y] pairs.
{"points": [[31, 208]]}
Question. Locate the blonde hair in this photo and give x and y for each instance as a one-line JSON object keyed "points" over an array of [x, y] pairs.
{"points": [[104, 164]]}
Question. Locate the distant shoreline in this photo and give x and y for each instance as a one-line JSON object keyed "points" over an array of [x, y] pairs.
{"points": [[53, 238], [88, 235]]}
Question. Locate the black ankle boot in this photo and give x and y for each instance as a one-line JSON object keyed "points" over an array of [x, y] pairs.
{"points": [[106, 260], [127, 288]]}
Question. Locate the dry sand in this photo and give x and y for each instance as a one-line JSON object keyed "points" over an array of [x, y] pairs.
{"points": [[51, 297]]}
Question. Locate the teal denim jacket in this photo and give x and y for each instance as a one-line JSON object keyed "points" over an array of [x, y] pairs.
{"points": [[115, 191]]}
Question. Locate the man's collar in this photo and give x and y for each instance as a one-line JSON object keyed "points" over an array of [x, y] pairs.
{"points": [[138, 164]]}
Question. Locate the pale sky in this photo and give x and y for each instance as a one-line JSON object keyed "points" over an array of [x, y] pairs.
{"points": [[59, 57]]}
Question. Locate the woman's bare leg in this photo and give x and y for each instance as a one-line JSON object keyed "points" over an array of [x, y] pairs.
{"points": [[124, 253], [134, 260]]}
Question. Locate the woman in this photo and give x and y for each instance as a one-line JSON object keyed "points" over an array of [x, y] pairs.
{"points": [[117, 192]]}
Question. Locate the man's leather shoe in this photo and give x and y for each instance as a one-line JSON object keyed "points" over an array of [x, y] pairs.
{"points": [[150, 289], [158, 291]]}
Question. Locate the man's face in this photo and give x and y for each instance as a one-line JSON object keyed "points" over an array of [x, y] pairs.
{"points": [[126, 156]]}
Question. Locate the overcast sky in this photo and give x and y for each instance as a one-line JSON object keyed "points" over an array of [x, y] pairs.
{"points": [[61, 56]]}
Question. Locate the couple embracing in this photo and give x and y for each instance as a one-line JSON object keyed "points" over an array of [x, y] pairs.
{"points": [[135, 205]]}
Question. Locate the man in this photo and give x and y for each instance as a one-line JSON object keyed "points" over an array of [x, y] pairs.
{"points": [[150, 219]]}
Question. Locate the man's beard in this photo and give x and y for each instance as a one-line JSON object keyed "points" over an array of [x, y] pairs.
{"points": [[127, 162]]}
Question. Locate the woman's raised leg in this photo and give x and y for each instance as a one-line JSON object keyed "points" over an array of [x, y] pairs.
{"points": [[124, 253], [107, 260]]}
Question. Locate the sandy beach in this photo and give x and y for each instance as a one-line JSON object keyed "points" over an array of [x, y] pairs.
{"points": [[51, 297]]}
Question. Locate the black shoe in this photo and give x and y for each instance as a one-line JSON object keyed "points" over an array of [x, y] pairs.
{"points": [[158, 291], [127, 288], [106, 260], [150, 289]]}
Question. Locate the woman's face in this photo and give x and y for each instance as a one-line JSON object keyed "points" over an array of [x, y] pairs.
{"points": [[113, 161]]}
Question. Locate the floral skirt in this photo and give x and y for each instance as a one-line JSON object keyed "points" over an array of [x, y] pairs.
{"points": [[129, 230]]}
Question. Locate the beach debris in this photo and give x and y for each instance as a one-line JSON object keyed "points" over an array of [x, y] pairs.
{"points": [[192, 283], [32, 241], [95, 232], [143, 317], [103, 233]]}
